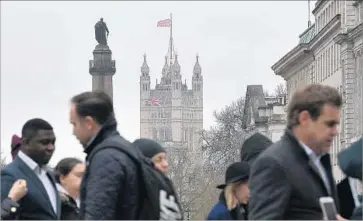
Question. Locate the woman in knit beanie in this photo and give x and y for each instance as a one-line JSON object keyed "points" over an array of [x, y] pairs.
{"points": [[153, 150]]}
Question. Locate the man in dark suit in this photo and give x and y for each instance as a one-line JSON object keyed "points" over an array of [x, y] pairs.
{"points": [[42, 200], [289, 177]]}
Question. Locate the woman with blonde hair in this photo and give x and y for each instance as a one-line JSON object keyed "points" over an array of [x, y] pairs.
{"points": [[234, 198]]}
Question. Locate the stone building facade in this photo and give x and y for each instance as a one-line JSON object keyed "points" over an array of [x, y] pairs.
{"points": [[171, 113], [264, 114], [330, 52]]}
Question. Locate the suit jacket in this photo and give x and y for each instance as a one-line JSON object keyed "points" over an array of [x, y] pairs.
{"points": [[346, 199], [35, 205], [285, 183]]}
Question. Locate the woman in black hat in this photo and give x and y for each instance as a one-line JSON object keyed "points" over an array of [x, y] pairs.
{"points": [[233, 200]]}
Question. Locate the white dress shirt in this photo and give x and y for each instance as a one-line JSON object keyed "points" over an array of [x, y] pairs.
{"points": [[316, 160], [43, 177]]}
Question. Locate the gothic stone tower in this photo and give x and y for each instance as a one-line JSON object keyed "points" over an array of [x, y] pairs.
{"points": [[102, 68], [171, 113]]}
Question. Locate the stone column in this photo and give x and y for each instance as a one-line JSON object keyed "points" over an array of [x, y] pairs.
{"points": [[358, 56], [102, 68], [348, 80]]}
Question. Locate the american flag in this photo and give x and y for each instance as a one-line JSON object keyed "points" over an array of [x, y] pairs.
{"points": [[164, 23], [153, 101]]}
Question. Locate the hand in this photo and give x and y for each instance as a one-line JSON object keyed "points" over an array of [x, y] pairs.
{"points": [[340, 218], [18, 190]]}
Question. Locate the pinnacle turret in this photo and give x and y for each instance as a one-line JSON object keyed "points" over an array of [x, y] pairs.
{"points": [[145, 70], [176, 66], [165, 68], [197, 69]]}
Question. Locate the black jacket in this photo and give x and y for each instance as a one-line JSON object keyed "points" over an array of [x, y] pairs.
{"points": [[285, 183], [110, 185], [346, 200], [70, 210]]}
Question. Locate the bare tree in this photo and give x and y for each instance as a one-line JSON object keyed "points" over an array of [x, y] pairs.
{"points": [[223, 141], [187, 173], [266, 93], [280, 89], [221, 147], [195, 176]]}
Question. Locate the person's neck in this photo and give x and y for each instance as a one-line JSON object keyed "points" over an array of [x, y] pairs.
{"points": [[41, 165], [303, 138], [71, 193]]}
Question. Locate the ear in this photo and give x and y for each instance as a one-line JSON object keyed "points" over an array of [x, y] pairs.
{"points": [[88, 121], [304, 117], [24, 141], [61, 179]]}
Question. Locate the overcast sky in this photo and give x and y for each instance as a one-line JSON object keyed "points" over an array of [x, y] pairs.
{"points": [[45, 48]]}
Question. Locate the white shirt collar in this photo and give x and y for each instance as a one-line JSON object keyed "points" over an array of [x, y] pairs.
{"points": [[28, 161], [310, 152], [31, 163]]}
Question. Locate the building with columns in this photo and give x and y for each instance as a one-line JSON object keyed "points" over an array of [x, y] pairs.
{"points": [[171, 113], [264, 114], [331, 52]]}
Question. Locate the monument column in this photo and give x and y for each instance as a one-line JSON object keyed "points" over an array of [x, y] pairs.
{"points": [[102, 67]]}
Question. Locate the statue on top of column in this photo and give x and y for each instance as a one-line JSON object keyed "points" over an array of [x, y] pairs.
{"points": [[101, 32]]}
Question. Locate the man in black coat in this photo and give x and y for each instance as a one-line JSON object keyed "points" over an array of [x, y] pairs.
{"points": [[110, 185], [290, 176]]}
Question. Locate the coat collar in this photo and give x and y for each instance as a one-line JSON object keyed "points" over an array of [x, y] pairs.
{"points": [[299, 151], [109, 127]]}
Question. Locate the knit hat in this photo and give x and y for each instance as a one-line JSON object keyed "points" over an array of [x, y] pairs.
{"points": [[149, 147], [15, 145], [253, 146]]}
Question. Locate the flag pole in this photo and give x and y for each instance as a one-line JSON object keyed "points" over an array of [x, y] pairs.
{"points": [[309, 16], [171, 38]]}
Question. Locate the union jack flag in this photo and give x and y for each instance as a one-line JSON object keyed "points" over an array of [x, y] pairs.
{"points": [[164, 23], [153, 101]]}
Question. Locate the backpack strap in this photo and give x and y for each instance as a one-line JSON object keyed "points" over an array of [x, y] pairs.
{"points": [[114, 143]]}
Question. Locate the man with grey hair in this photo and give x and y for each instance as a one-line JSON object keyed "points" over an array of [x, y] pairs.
{"points": [[290, 176]]}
